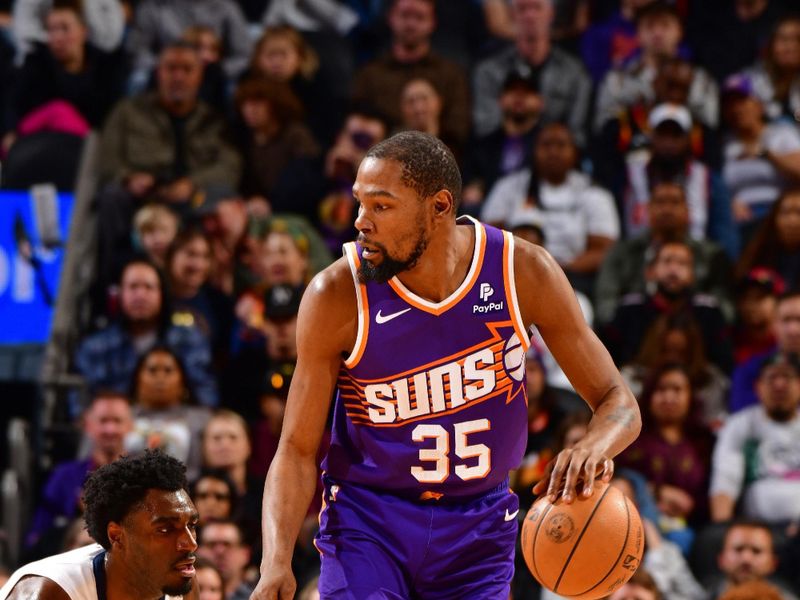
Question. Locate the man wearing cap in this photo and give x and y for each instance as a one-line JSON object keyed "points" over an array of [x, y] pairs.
{"points": [[756, 306], [757, 457], [669, 158], [760, 159], [509, 147], [565, 86]]}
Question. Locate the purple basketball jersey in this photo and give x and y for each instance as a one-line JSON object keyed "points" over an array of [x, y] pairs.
{"points": [[431, 401]]}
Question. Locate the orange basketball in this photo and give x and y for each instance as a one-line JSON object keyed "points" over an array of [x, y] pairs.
{"points": [[586, 549]]}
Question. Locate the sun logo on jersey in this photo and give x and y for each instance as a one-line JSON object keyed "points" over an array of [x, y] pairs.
{"points": [[494, 367]]}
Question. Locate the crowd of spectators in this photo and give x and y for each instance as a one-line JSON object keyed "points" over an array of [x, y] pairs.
{"points": [[652, 146]]}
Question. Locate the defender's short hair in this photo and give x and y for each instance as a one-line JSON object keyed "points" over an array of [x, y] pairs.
{"points": [[114, 490]]}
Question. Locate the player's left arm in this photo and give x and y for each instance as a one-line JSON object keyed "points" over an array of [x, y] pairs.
{"points": [[548, 301]]}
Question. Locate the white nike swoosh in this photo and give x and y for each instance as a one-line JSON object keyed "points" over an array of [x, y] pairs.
{"points": [[512, 516], [380, 319]]}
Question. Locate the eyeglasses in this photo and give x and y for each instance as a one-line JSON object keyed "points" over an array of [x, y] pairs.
{"points": [[219, 496]]}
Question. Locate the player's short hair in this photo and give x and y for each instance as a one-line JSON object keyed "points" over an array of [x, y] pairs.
{"points": [[428, 164], [114, 490]]}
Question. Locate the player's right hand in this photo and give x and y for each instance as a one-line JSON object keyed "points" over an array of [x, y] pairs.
{"points": [[275, 584]]}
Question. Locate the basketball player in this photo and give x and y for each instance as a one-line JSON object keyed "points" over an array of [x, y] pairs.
{"points": [[139, 512], [422, 329]]}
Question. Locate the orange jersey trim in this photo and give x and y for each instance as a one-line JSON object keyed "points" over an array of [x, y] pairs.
{"points": [[511, 291], [351, 253], [472, 276]]}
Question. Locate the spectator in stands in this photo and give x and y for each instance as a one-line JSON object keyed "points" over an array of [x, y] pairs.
{"points": [[274, 137], [66, 84], [776, 243], [580, 222], [613, 42], [756, 308], [677, 339], [165, 146], [104, 19], [756, 460], [787, 335], [671, 291], [154, 228], [379, 83], [776, 79], [630, 130], [214, 495], [105, 423], [282, 54], [564, 85], [361, 129], [214, 85], [761, 159], [209, 581], [157, 25], [421, 107], [284, 258], [509, 147], [223, 544], [669, 158], [108, 357], [226, 446], [165, 410], [623, 269], [188, 272], [747, 557], [673, 450], [659, 32], [640, 586]]}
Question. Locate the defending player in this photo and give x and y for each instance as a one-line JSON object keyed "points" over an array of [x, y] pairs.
{"points": [[140, 513], [422, 328]]}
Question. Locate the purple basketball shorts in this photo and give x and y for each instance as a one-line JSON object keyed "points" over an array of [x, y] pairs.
{"points": [[378, 546]]}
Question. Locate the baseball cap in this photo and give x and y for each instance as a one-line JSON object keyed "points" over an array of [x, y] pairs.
{"points": [[668, 112], [779, 358], [764, 278], [282, 301], [522, 76], [737, 85]]}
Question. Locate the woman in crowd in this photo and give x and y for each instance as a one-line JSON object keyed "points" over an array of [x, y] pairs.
{"points": [[214, 495], [154, 228], [674, 447], [208, 580], [274, 139], [165, 412], [677, 339], [776, 80], [188, 269], [776, 243]]}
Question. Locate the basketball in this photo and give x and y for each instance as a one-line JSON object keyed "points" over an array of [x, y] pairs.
{"points": [[586, 549]]}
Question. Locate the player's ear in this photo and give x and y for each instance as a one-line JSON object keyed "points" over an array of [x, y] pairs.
{"points": [[115, 533], [443, 203]]}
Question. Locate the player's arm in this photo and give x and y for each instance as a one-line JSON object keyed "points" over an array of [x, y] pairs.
{"points": [[37, 588], [326, 330], [548, 301]]}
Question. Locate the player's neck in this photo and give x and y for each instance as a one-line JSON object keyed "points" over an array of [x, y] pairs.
{"points": [[444, 264], [124, 584]]}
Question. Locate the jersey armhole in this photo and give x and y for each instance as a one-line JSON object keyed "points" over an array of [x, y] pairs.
{"points": [[511, 291], [362, 303]]}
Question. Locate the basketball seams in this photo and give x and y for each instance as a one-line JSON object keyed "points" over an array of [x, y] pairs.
{"points": [[580, 537], [621, 551], [535, 537]]}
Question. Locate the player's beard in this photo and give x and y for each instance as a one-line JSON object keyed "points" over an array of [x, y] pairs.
{"points": [[389, 265], [178, 590]]}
